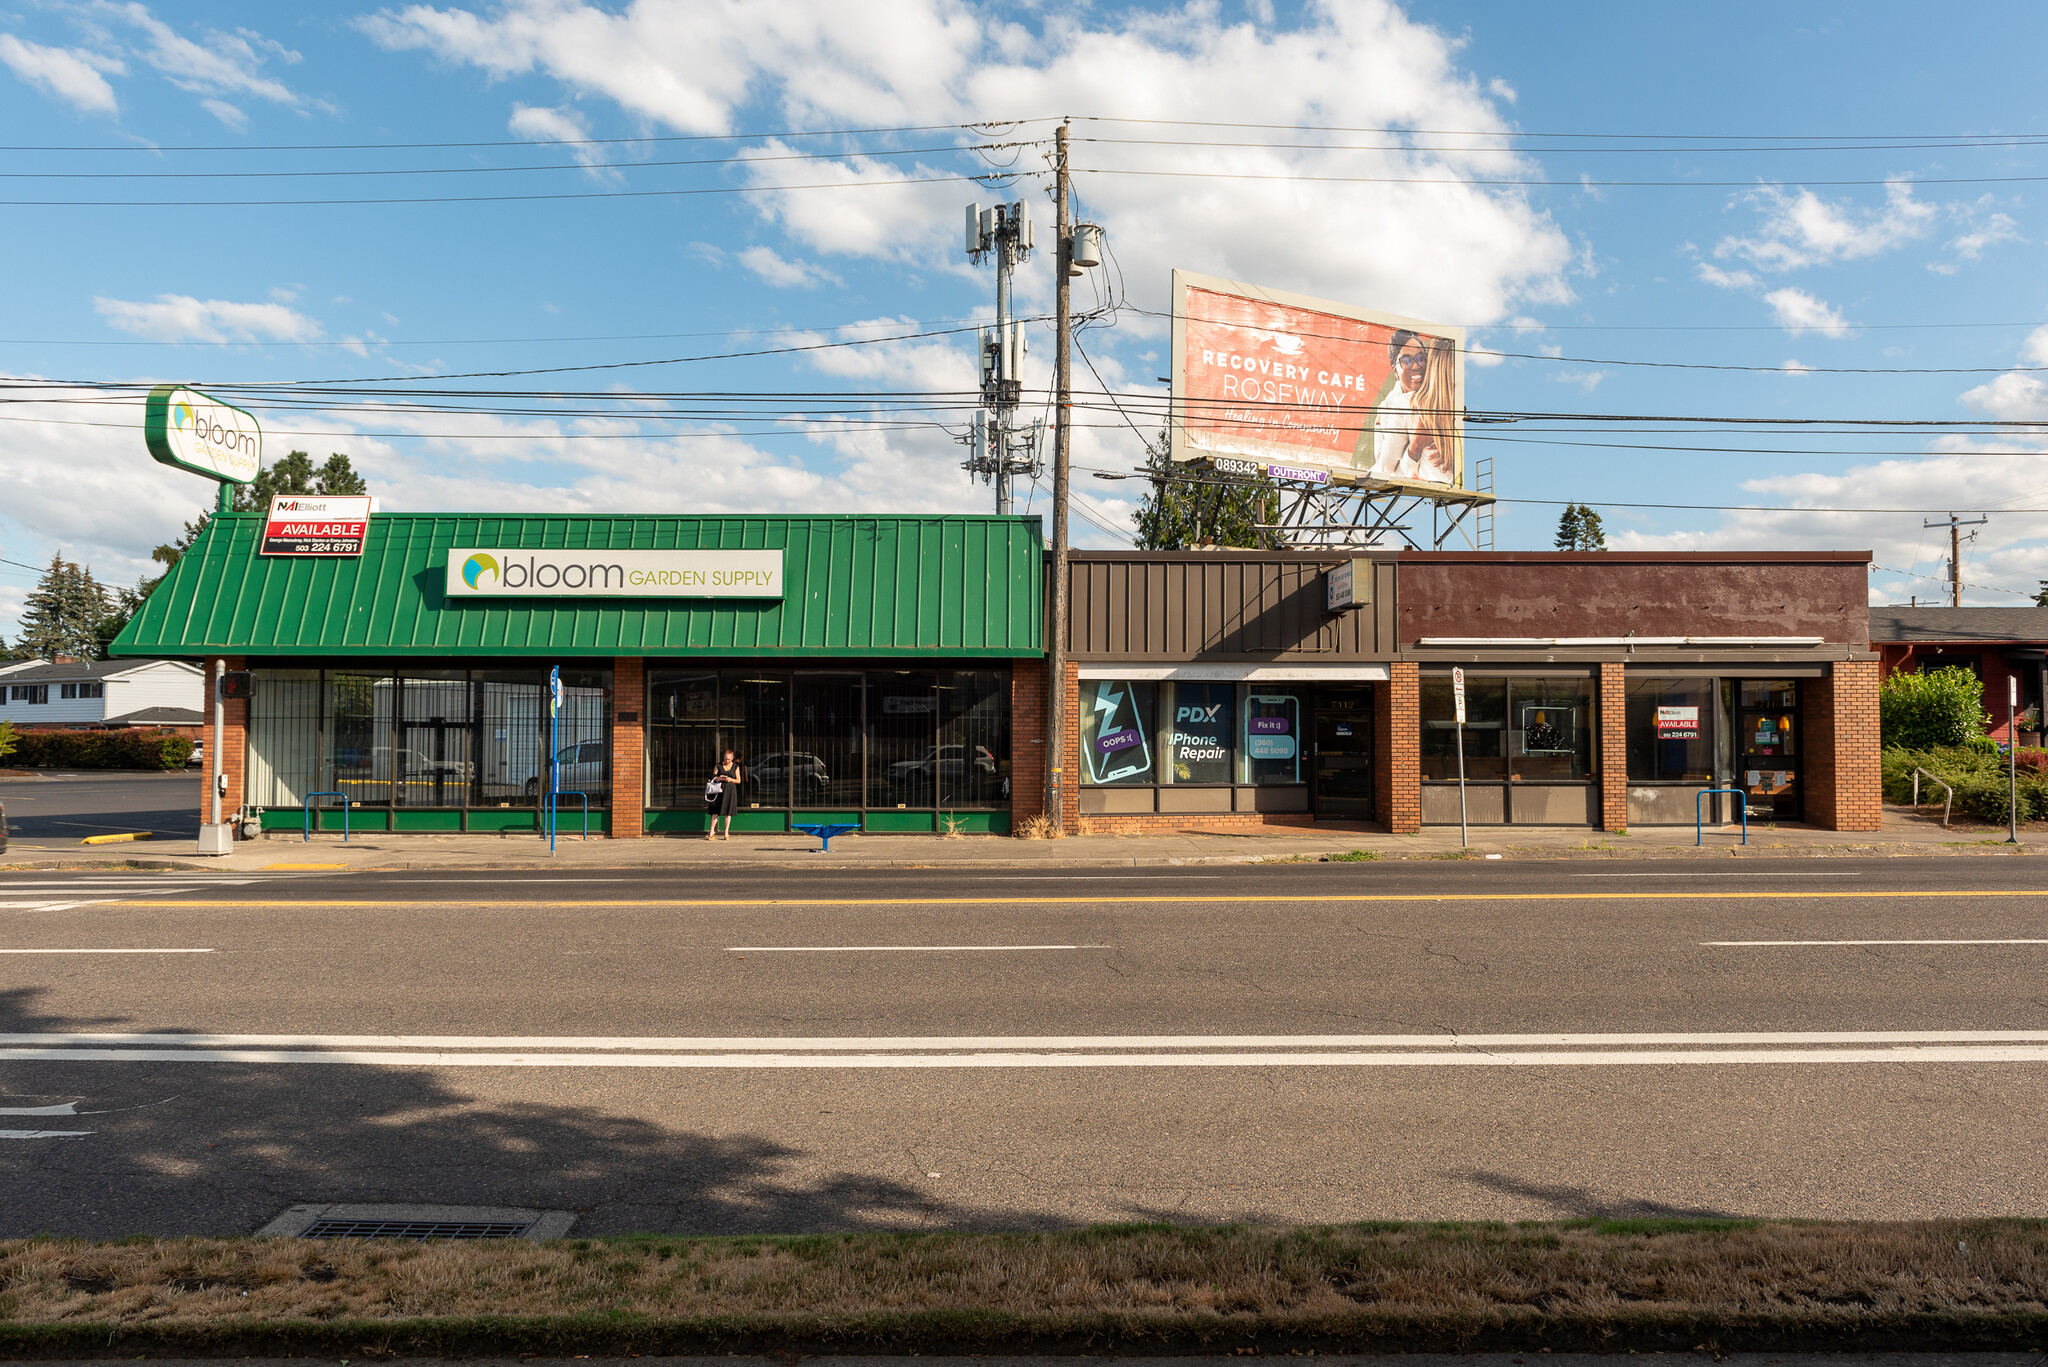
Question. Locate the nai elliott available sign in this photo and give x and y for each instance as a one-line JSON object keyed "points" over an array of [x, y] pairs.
{"points": [[316, 524], [476, 572], [184, 428]]}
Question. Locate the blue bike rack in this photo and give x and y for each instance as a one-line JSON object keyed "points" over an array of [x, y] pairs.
{"points": [[1699, 825], [554, 813], [344, 814], [824, 830]]}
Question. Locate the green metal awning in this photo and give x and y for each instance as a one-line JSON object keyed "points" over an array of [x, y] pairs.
{"points": [[853, 586]]}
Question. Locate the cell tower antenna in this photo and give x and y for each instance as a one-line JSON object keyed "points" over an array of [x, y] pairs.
{"points": [[1000, 447]]}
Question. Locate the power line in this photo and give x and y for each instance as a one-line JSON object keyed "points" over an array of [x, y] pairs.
{"points": [[2014, 140], [1497, 132], [522, 142], [982, 179], [1529, 183]]}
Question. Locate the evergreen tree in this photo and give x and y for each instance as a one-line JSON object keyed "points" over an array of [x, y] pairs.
{"points": [[1568, 528], [1192, 508], [1579, 529], [2041, 595], [63, 615]]}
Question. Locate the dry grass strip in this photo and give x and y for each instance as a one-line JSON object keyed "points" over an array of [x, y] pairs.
{"points": [[1611, 1285]]}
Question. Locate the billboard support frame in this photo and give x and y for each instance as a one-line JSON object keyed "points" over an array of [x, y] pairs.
{"points": [[1322, 516]]}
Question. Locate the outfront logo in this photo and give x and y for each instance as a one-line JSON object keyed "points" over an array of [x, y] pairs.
{"points": [[478, 565]]}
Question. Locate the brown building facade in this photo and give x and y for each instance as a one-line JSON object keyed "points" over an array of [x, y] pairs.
{"points": [[1225, 690]]}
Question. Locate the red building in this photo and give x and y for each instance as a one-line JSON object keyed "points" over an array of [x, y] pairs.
{"points": [[1995, 644]]}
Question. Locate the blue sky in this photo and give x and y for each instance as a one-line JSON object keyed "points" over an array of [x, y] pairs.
{"points": [[1743, 254]]}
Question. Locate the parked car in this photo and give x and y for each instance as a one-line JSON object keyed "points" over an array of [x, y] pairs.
{"points": [[584, 764], [953, 762], [797, 773], [198, 753]]}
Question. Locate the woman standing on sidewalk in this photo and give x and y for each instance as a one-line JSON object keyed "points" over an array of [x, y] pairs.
{"points": [[728, 776]]}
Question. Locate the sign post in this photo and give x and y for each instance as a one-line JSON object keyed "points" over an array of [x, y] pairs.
{"points": [[1458, 698], [2012, 759], [554, 750]]}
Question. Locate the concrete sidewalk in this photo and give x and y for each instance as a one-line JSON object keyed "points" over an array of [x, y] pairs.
{"points": [[1904, 833]]}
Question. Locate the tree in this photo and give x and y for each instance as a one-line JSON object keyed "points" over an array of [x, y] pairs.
{"points": [[1190, 508], [63, 614], [2041, 595], [1936, 708], [1579, 529]]}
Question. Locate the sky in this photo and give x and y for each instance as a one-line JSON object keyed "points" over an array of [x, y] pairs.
{"points": [[1818, 212]]}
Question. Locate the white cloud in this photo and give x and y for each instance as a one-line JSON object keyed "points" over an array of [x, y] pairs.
{"points": [[764, 262], [1585, 380], [1796, 367], [1802, 229], [1463, 253], [224, 64], [1727, 280], [73, 75], [181, 318], [1797, 312], [226, 113], [561, 125], [1993, 230]]}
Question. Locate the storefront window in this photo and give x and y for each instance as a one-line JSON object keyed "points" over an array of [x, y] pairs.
{"points": [[583, 751], [903, 758], [511, 710], [358, 711], [823, 764], [1270, 743], [1116, 731], [974, 738], [1669, 725], [682, 736], [753, 720], [430, 765], [1485, 728], [1197, 732], [284, 731], [1551, 736], [1766, 746]]}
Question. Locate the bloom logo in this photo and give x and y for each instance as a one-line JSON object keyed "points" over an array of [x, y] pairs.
{"points": [[474, 568]]}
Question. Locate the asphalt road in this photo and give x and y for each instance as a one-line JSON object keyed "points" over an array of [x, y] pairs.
{"points": [[61, 809], [796, 1050]]}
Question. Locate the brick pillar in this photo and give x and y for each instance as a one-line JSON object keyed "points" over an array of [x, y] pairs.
{"points": [[233, 752], [1027, 741], [1838, 735], [629, 748], [1613, 718], [1397, 750], [1070, 755]]}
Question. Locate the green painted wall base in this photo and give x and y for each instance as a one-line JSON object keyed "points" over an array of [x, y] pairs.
{"points": [[693, 822]]}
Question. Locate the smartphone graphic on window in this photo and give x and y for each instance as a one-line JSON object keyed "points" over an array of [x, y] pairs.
{"points": [[1119, 748]]}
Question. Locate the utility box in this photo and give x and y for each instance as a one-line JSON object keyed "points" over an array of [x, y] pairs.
{"points": [[217, 839]]}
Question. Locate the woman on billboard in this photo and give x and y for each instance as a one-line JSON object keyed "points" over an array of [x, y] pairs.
{"points": [[1414, 425]]}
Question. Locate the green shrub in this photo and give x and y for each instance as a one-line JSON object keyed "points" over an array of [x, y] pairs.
{"points": [[1927, 711], [6, 739], [1979, 778], [100, 750]]}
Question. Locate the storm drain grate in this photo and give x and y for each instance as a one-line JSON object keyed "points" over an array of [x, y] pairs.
{"points": [[416, 1229]]}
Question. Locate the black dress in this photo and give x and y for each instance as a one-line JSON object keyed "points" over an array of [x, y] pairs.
{"points": [[729, 797]]}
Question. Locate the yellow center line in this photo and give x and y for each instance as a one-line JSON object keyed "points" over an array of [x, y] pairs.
{"points": [[1099, 900]]}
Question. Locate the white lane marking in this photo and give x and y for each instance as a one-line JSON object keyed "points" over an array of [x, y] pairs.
{"points": [[1079, 877], [68, 1108], [894, 949], [1985, 1053], [515, 879], [1830, 874], [803, 1044], [1738, 943], [45, 1134], [105, 951]]}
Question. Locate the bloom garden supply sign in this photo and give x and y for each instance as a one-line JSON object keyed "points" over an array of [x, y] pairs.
{"points": [[316, 524], [186, 429], [475, 572]]}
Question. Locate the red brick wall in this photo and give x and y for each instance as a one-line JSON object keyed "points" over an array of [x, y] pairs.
{"points": [[1613, 717], [1070, 755], [629, 748], [1838, 721], [1397, 750], [235, 750], [1177, 823], [1027, 741]]}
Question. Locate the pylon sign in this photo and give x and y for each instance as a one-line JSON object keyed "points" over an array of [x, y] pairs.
{"points": [[191, 431]]}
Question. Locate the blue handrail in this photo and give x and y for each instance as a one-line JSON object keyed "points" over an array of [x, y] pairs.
{"points": [[554, 812], [1699, 828], [344, 814]]}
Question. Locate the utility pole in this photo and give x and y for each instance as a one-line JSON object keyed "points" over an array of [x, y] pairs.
{"points": [[1062, 443], [1955, 527], [997, 448]]}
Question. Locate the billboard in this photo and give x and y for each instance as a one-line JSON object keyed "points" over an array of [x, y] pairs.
{"points": [[188, 429], [316, 524], [1306, 389]]}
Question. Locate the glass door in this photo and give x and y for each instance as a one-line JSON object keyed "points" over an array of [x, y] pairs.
{"points": [[1766, 744], [1343, 754]]}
